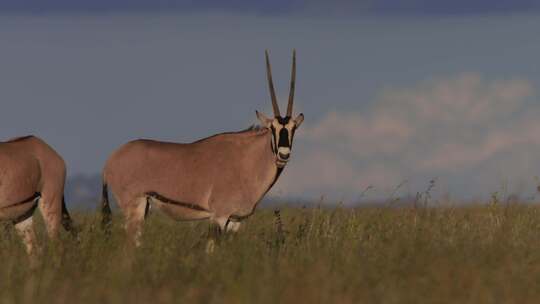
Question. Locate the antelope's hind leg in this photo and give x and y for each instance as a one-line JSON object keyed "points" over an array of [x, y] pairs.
{"points": [[67, 221], [135, 214], [51, 211]]}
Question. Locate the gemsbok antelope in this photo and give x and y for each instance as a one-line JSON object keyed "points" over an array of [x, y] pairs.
{"points": [[221, 178], [32, 174]]}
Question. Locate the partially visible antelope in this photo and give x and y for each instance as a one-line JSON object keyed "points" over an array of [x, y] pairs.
{"points": [[221, 178], [32, 174]]}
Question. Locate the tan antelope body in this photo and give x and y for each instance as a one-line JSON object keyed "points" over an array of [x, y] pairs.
{"points": [[32, 174], [221, 178]]}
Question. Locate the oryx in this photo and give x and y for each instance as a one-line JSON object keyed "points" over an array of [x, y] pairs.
{"points": [[32, 174], [221, 178]]}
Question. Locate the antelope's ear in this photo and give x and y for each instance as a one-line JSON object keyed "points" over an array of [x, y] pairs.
{"points": [[265, 121], [298, 120]]}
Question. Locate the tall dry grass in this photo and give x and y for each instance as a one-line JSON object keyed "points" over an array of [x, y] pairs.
{"points": [[481, 254]]}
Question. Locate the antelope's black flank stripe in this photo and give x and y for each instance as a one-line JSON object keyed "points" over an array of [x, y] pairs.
{"points": [[28, 213], [173, 202], [26, 200]]}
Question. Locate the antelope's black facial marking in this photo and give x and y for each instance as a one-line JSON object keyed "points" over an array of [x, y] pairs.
{"points": [[283, 120], [282, 137], [282, 130]]}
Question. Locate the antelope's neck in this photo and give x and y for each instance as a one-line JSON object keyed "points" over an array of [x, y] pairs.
{"points": [[267, 162]]}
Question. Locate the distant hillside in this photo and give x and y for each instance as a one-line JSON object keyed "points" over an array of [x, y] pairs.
{"points": [[83, 191]]}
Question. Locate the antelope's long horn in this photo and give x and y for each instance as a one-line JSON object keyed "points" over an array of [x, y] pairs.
{"points": [[293, 83], [271, 86]]}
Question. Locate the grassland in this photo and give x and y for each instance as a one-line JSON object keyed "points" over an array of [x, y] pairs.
{"points": [[481, 254]]}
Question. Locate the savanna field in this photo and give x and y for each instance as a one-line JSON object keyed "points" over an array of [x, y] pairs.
{"points": [[486, 253]]}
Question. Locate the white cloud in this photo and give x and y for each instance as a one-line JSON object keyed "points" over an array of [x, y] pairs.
{"points": [[465, 130]]}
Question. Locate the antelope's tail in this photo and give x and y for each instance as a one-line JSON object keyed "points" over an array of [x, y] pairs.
{"points": [[106, 215], [67, 222]]}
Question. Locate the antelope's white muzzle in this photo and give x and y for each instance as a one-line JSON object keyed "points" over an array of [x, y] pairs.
{"points": [[283, 154]]}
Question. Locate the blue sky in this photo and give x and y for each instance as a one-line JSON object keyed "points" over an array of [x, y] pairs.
{"points": [[390, 93], [277, 7]]}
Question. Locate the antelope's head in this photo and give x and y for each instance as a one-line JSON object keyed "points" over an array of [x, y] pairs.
{"points": [[282, 127]]}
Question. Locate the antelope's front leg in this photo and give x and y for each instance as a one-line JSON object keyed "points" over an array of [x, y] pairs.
{"points": [[217, 227], [232, 226]]}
